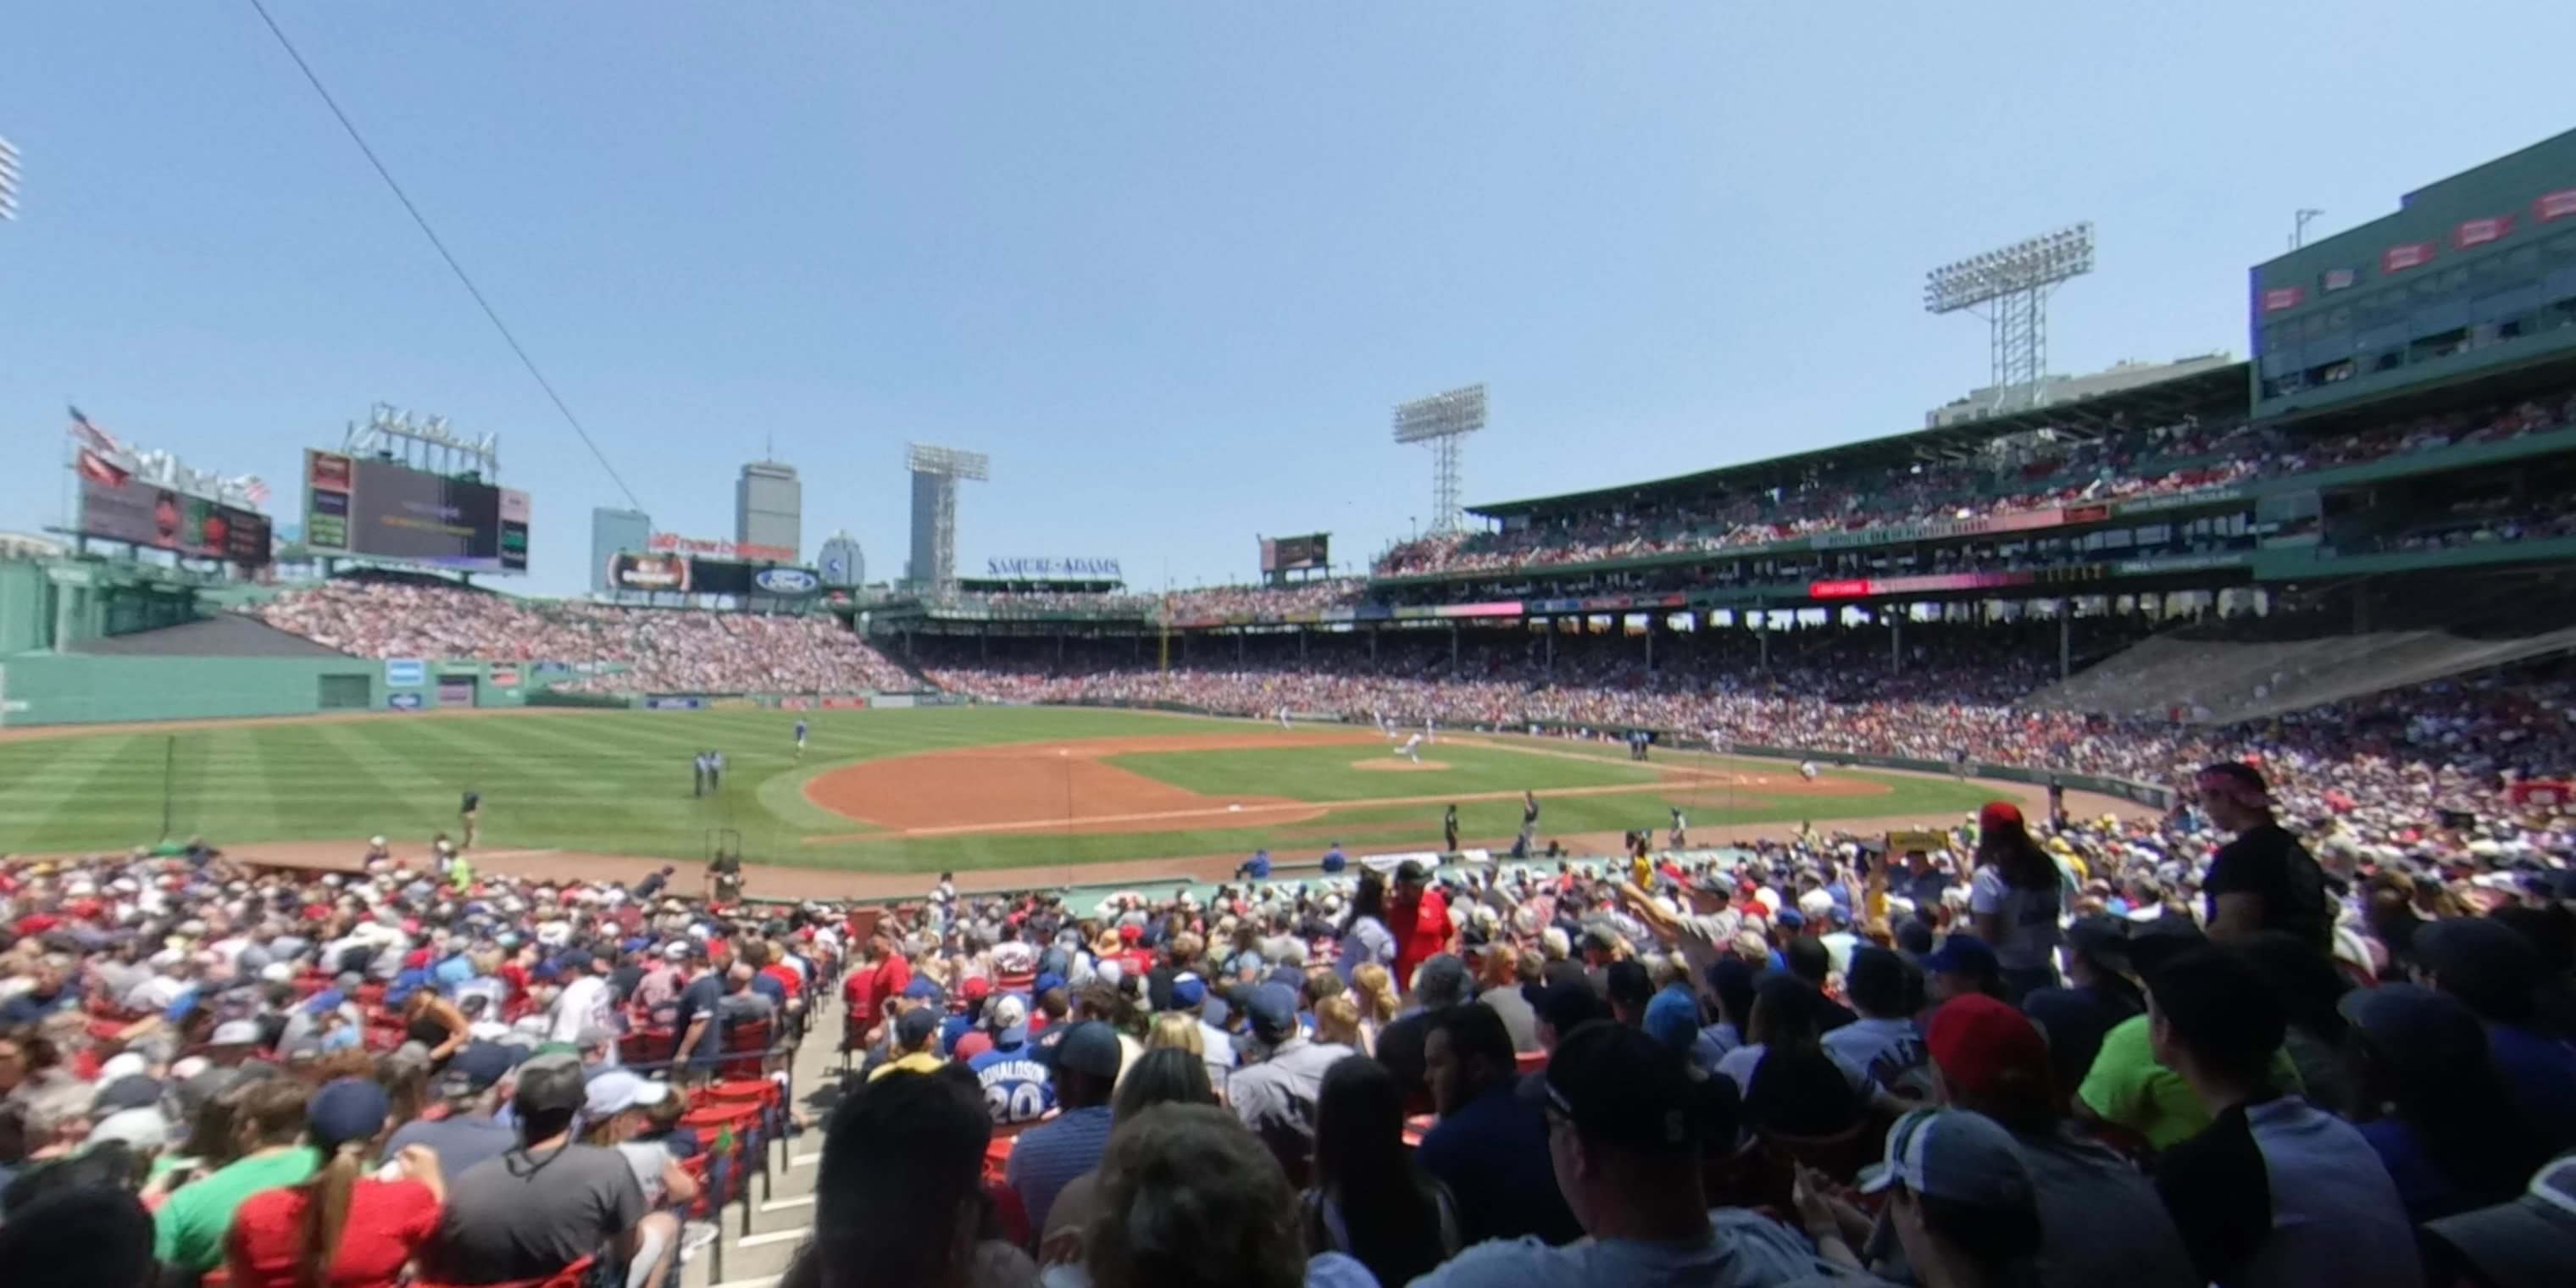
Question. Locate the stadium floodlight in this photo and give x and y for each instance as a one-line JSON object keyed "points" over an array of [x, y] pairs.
{"points": [[8, 180], [1441, 421], [935, 471], [2015, 282], [427, 444]]}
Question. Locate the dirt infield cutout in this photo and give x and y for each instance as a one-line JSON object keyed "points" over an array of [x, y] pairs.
{"points": [[1397, 765]]}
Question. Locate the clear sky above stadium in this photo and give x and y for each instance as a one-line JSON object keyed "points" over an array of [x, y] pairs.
{"points": [[1170, 263]]}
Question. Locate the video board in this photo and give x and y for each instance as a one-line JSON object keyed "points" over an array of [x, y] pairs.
{"points": [[147, 514], [1293, 554], [393, 511], [654, 572]]}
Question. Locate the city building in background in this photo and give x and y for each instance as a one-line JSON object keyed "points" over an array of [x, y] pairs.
{"points": [[841, 563], [769, 507], [615, 532]]}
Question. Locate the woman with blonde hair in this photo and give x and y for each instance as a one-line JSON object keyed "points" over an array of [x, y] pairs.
{"points": [[1177, 1030], [1375, 985], [1337, 1020], [342, 1228]]}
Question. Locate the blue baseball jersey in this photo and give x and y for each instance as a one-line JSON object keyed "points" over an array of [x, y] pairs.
{"points": [[1016, 1086]]}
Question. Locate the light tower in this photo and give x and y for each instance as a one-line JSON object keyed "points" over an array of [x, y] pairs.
{"points": [[1441, 421], [2014, 282], [8, 180], [935, 471]]}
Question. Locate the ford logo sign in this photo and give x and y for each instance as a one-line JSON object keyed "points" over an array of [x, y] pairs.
{"points": [[785, 581]]}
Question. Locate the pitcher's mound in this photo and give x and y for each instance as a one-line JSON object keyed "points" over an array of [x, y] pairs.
{"points": [[1398, 764]]}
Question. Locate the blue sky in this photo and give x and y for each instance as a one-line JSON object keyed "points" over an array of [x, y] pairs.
{"points": [[1169, 263]]}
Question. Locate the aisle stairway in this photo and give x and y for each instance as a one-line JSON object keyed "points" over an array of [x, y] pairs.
{"points": [[781, 1211]]}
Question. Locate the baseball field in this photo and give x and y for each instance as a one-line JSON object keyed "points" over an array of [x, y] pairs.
{"points": [[886, 790]]}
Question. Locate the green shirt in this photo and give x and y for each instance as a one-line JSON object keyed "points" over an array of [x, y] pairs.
{"points": [[2127, 1088], [189, 1230]]}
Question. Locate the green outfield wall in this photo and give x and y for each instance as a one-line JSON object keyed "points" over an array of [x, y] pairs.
{"points": [[61, 688]]}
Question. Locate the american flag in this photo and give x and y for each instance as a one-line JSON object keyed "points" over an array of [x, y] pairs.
{"points": [[255, 491], [98, 468], [93, 437]]}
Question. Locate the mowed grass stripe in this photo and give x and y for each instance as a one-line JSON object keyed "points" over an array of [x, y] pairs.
{"points": [[85, 790]]}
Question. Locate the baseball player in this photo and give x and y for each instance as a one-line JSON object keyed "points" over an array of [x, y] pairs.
{"points": [[1680, 838], [1283, 721], [1807, 770], [1449, 830], [1412, 748], [470, 813], [801, 731], [1430, 732]]}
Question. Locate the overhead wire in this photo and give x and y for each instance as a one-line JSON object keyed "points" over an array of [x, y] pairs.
{"points": [[440, 245]]}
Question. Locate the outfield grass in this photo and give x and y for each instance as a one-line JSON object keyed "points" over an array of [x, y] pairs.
{"points": [[618, 782]]}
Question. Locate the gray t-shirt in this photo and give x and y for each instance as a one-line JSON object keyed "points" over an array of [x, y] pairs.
{"points": [[524, 1216], [1742, 1250]]}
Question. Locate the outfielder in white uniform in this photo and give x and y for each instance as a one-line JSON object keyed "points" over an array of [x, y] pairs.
{"points": [[1283, 720]]}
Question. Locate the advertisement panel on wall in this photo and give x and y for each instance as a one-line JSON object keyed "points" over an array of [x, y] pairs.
{"points": [[787, 583], [146, 514], [393, 511], [670, 574]]}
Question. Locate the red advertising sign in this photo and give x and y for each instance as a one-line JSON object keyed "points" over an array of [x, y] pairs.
{"points": [[2478, 232], [842, 704], [2554, 205], [2399, 258], [674, 543], [2283, 297], [1852, 588], [505, 677]]}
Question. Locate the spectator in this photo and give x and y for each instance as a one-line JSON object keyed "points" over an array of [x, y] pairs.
{"points": [[340, 1228], [2429, 1100], [1489, 1148], [88, 1236], [1085, 1062], [1417, 913], [1440, 984], [2496, 972], [1157, 1079], [1365, 939], [2099, 995], [1370, 1200], [899, 1193], [2018, 897], [1959, 1198], [549, 1202], [1962, 965], [1791, 1085], [2264, 879], [1509, 978], [1373, 987], [1188, 1199], [473, 1088], [1883, 1042], [1276, 1090], [615, 1107], [2100, 1221], [2527, 1241], [1624, 1144], [2274, 1191], [188, 1232]]}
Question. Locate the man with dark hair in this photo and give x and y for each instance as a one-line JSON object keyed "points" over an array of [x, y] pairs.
{"points": [[1417, 913], [471, 1131], [2275, 1191], [1628, 988], [1623, 1139], [1882, 1042], [896, 1199], [1086, 1062], [1438, 986], [188, 1232], [1963, 964], [547, 1202], [1564, 1007], [1488, 1147], [2264, 879]]}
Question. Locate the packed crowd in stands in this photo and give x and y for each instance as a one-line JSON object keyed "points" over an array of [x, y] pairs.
{"points": [[294, 1079], [2159, 462], [1297, 597], [624, 649], [2065, 1051]]}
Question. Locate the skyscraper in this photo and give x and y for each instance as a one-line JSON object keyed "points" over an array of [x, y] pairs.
{"points": [[613, 532], [769, 507], [841, 562]]}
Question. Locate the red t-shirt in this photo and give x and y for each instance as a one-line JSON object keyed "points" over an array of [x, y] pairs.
{"points": [[388, 1223], [787, 978], [1426, 936]]}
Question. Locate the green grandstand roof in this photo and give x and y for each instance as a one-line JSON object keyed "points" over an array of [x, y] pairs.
{"points": [[2091, 417]]}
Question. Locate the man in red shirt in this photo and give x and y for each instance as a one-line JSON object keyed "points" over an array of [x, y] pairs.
{"points": [[1418, 915], [878, 981]]}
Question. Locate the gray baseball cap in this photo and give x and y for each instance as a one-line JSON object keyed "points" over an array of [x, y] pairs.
{"points": [[1954, 1155]]}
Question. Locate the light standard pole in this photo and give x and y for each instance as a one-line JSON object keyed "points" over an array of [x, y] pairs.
{"points": [[8, 179], [2299, 226]]}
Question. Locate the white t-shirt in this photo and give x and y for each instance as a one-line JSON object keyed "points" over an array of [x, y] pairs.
{"points": [[1740, 1063], [2030, 918], [582, 1004]]}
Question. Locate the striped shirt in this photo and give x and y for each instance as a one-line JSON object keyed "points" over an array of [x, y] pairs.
{"points": [[1047, 1157]]}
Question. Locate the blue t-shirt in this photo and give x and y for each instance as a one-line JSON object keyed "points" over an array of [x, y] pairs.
{"points": [[1259, 866], [1334, 862], [955, 1027], [1017, 1088]]}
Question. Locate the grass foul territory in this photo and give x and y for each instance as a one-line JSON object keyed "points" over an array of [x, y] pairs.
{"points": [[894, 791]]}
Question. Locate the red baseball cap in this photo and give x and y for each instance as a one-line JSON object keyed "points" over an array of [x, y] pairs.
{"points": [[1130, 934], [1979, 1041], [1999, 814], [977, 988]]}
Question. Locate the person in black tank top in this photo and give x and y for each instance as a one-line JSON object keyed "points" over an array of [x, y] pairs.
{"points": [[2264, 879]]}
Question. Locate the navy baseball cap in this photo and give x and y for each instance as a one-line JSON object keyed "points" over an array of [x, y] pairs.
{"points": [[1090, 1047], [913, 1026], [346, 1109], [1962, 954], [1272, 1010], [1188, 990], [1619, 1087]]}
